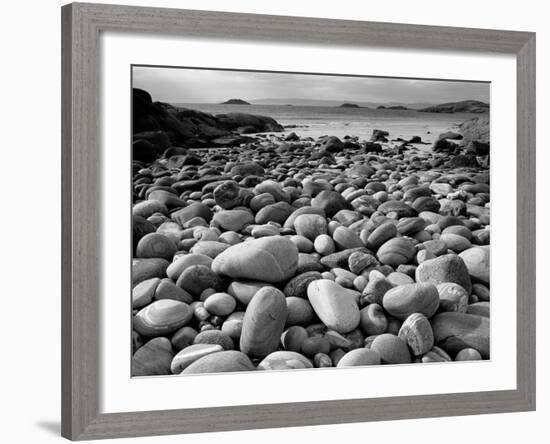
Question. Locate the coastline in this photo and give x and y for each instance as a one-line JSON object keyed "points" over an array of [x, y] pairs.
{"points": [[317, 121]]}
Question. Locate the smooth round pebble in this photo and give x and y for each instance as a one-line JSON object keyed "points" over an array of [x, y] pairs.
{"points": [[359, 357], [220, 304]]}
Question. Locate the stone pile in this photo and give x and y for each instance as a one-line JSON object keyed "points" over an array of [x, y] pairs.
{"points": [[290, 254]]}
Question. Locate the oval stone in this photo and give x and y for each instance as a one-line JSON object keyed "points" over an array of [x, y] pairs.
{"points": [[220, 362], [233, 220], [455, 242], [233, 325], [153, 358], [477, 261], [268, 259], [143, 269], [292, 338], [417, 332], [162, 317], [143, 293], [289, 223], [456, 331], [190, 354], [310, 225], [480, 309], [392, 349], [381, 234], [345, 238], [398, 278], [227, 194], [209, 248], [330, 202], [468, 354], [260, 201], [446, 268], [359, 357], [452, 297], [396, 251], [410, 225], [263, 322], [197, 278], [436, 354], [277, 212], [373, 320], [281, 360], [220, 304], [299, 311], [404, 300], [336, 306], [315, 344], [166, 289], [324, 245], [398, 207], [183, 337], [214, 337], [147, 208], [243, 291]]}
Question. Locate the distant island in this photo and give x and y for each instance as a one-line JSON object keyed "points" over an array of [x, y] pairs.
{"points": [[392, 107], [349, 105], [464, 106], [235, 102]]}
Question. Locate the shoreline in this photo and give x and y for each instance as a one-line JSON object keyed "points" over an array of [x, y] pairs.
{"points": [[316, 121]]}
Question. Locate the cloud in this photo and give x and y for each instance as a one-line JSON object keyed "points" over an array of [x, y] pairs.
{"points": [[185, 85]]}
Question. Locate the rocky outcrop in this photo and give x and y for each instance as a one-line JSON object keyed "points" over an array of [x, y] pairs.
{"points": [[444, 146], [163, 125], [379, 135], [476, 135], [464, 106], [463, 161]]}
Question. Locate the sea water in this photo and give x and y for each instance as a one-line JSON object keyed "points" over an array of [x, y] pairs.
{"points": [[316, 121]]}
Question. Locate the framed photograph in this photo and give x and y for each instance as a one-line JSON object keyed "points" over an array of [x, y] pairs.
{"points": [[278, 221]]}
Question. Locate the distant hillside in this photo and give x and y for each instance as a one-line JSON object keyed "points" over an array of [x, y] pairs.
{"points": [[465, 106], [392, 107], [349, 105], [235, 102], [297, 101]]}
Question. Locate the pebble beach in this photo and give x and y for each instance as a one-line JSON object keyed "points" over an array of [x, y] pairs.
{"points": [[271, 250]]}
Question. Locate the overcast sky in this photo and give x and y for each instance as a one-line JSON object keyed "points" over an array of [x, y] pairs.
{"points": [[179, 85]]}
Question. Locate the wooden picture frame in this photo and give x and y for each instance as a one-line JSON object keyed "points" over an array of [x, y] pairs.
{"points": [[82, 24]]}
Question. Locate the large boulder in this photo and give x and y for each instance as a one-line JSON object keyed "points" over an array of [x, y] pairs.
{"points": [[446, 268], [336, 306], [444, 146], [263, 323], [143, 151], [235, 121], [477, 262], [330, 202], [332, 144]]}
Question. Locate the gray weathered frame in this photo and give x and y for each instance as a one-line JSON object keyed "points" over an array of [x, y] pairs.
{"points": [[81, 26]]}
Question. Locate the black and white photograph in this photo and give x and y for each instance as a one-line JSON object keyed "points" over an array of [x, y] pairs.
{"points": [[289, 221]]}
